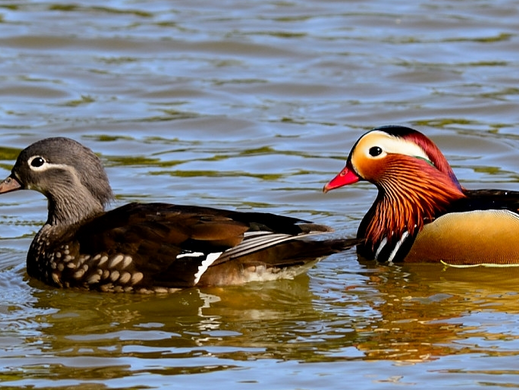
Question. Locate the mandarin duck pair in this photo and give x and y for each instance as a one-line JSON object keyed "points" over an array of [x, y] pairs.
{"points": [[421, 214]]}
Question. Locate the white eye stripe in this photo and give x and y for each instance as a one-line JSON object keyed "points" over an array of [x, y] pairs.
{"points": [[44, 164], [390, 144]]}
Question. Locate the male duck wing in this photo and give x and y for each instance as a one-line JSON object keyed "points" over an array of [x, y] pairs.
{"points": [[482, 229], [488, 199]]}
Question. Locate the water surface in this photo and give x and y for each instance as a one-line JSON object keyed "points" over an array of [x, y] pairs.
{"points": [[255, 105]]}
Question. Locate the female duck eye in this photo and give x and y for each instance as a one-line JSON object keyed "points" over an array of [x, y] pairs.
{"points": [[375, 151], [37, 162]]}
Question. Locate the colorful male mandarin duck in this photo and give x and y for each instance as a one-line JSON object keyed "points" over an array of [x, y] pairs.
{"points": [[152, 247], [422, 213]]}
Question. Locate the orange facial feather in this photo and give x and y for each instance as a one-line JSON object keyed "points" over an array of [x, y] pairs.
{"points": [[412, 192]]}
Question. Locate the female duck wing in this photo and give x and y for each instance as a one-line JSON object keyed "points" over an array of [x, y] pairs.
{"points": [[138, 247], [182, 246], [188, 228]]}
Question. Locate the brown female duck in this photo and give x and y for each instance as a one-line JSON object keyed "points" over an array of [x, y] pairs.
{"points": [[422, 213], [153, 247]]}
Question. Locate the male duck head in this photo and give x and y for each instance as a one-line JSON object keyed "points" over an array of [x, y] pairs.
{"points": [[415, 185]]}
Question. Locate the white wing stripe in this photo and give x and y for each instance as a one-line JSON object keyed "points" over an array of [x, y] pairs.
{"points": [[258, 233], [190, 254], [211, 257], [254, 244]]}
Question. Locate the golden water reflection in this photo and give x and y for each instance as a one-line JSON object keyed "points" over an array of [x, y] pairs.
{"points": [[430, 311], [412, 314]]}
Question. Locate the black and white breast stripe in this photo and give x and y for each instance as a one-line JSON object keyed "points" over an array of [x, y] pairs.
{"points": [[395, 250]]}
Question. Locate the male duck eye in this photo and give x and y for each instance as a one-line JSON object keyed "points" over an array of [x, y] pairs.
{"points": [[375, 151], [37, 162]]}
